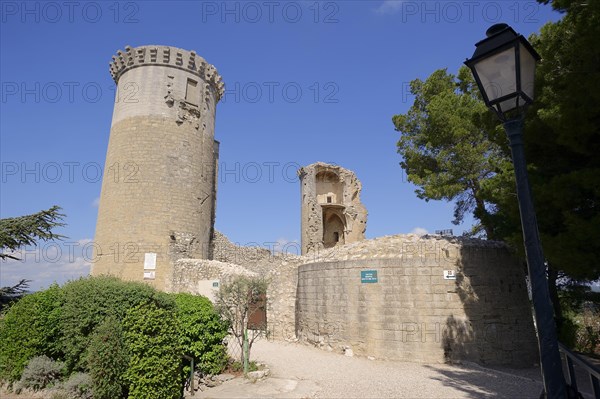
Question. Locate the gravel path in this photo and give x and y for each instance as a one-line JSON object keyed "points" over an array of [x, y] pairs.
{"points": [[300, 371]]}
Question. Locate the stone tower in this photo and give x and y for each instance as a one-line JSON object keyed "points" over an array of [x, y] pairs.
{"points": [[159, 188], [332, 213]]}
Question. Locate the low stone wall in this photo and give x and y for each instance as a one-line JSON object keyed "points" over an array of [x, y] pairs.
{"points": [[281, 309], [412, 313], [281, 270], [204, 277], [254, 258]]}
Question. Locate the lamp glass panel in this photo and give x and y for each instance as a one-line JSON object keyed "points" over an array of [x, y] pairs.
{"points": [[497, 74], [527, 71], [509, 104]]}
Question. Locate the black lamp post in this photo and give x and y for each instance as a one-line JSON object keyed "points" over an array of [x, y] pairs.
{"points": [[504, 68]]}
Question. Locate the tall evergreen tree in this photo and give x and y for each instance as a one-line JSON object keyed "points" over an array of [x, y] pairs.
{"points": [[452, 151], [26, 230]]}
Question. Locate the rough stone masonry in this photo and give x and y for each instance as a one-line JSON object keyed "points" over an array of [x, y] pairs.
{"points": [[402, 297], [332, 213], [159, 188]]}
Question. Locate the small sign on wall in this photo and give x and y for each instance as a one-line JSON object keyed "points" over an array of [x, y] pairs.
{"points": [[449, 275], [150, 261], [149, 266], [368, 276], [208, 288], [149, 275]]}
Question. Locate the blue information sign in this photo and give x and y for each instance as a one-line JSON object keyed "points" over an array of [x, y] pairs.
{"points": [[368, 276]]}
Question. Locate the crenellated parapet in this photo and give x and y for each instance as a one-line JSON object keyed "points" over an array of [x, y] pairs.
{"points": [[167, 56]]}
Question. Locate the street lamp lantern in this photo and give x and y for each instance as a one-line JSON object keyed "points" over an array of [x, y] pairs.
{"points": [[504, 68]]}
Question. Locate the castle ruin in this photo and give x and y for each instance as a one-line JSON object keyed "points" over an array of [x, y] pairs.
{"points": [[332, 213], [402, 297]]}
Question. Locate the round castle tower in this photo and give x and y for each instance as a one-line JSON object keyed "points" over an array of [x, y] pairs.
{"points": [[159, 187]]}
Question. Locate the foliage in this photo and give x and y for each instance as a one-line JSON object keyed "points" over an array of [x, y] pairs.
{"points": [[449, 144], [31, 327], [574, 297], [21, 231], [108, 360], [155, 355], [79, 386], [581, 325], [40, 372], [237, 366], [26, 230], [13, 293], [236, 300], [202, 332], [139, 357], [562, 140], [561, 5], [59, 394], [89, 301], [567, 333], [588, 333], [581, 330]]}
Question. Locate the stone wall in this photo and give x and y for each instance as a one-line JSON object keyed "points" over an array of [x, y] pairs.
{"points": [[257, 259], [281, 310], [436, 298], [281, 270], [204, 277], [414, 313]]}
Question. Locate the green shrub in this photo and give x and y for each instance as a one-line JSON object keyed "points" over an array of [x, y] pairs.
{"points": [[108, 360], [79, 386], [40, 372], [202, 332], [567, 331], [30, 327], [588, 333], [89, 301], [238, 367], [59, 394], [155, 356], [18, 343]]}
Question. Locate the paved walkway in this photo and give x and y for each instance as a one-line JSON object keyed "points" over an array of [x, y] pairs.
{"points": [[299, 371]]}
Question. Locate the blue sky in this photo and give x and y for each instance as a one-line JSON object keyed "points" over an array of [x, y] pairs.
{"points": [[306, 81]]}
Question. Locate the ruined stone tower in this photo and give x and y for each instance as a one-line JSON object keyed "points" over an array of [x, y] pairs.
{"points": [[332, 213], [159, 187]]}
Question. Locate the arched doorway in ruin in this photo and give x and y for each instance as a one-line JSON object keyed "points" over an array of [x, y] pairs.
{"points": [[333, 228]]}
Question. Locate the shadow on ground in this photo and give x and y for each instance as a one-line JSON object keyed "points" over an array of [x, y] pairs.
{"points": [[477, 382]]}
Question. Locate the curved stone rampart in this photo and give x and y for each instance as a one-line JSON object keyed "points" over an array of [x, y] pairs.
{"points": [[472, 306]]}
